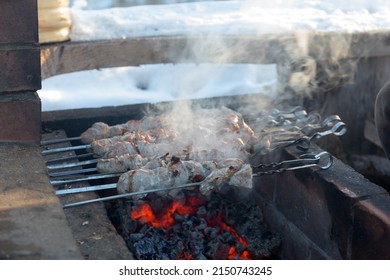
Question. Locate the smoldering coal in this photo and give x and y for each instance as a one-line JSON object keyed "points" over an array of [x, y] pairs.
{"points": [[242, 234]]}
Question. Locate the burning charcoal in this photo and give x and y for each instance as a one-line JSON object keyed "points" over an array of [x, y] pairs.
{"points": [[211, 249], [227, 237], [187, 226], [160, 204], [200, 256], [240, 248], [178, 218], [222, 252], [218, 228], [197, 248], [211, 232], [176, 250], [135, 237], [202, 224], [202, 212], [263, 244], [176, 229], [144, 249], [194, 234], [177, 195]]}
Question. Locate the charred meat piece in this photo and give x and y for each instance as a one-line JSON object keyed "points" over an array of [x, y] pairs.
{"points": [[111, 147], [150, 150], [144, 179], [210, 146], [121, 163], [243, 177], [178, 172], [102, 130], [232, 172], [175, 173], [98, 130]]}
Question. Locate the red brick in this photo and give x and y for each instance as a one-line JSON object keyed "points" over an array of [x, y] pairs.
{"points": [[20, 70], [20, 117], [18, 21]]}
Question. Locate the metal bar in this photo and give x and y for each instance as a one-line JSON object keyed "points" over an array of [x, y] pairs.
{"points": [[86, 189], [125, 195], [65, 149], [73, 172], [83, 179], [69, 165], [323, 160], [56, 160], [62, 140]]}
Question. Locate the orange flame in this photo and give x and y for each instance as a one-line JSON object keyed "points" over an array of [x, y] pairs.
{"points": [[232, 252], [165, 220], [145, 214]]}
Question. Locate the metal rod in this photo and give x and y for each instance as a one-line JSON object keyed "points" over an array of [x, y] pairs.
{"points": [[323, 160], [83, 179], [73, 172], [56, 141], [107, 198], [65, 149], [74, 164], [86, 189], [56, 160]]}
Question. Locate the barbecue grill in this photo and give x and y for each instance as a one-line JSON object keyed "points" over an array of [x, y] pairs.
{"points": [[325, 211]]}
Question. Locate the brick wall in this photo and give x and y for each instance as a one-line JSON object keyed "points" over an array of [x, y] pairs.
{"points": [[20, 73]]}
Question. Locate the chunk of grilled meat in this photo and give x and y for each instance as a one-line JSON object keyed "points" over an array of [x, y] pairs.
{"points": [[100, 130], [121, 163], [177, 172]]}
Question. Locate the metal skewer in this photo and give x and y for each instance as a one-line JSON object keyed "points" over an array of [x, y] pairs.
{"points": [[56, 160], [69, 165], [56, 141], [323, 160], [65, 149], [73, 172], [125, 195], [303, 143], [86, 189], [85, 178]]}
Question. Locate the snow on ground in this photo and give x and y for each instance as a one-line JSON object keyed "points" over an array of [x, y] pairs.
{"points": [[154, 83], [94, 20], [229, 17]]}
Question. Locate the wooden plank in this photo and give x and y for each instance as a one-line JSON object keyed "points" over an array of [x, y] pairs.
{"points": [[262, 49], [77, 56]]}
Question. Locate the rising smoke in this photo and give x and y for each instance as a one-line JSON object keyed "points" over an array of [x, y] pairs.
{"points": [[309, 63]]}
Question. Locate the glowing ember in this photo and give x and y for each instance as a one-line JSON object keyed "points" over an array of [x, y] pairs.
{"points": [[165, 220], [232, 252]]}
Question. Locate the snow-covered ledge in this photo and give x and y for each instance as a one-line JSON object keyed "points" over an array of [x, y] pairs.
{"points": [[219, 31], [71, 56]]}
